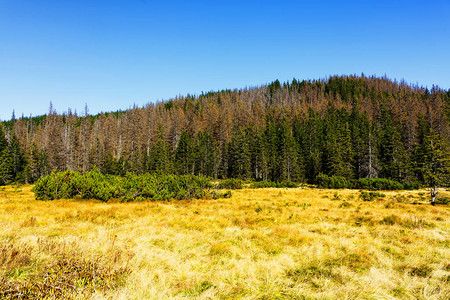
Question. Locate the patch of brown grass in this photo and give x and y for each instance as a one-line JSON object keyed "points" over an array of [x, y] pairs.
{"points": [[54, 270]]}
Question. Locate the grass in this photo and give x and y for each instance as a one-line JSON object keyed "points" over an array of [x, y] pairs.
{"points": [[259, 244]]}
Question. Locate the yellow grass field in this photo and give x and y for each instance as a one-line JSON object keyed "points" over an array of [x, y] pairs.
{"points": [[259, 244]]}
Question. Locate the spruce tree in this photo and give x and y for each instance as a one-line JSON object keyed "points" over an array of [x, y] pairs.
{"points": [[184, 161], [259, 155], [161, 155], [239, 164], [204, 154], [272, 145], [37, 164], [433, 162], [3, 141], [288, 154], [13, 162]]}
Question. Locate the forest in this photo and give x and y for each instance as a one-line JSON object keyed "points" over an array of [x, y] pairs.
{"points": [[345, 127]]}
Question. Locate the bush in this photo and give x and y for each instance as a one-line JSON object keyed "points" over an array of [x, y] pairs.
{"points": [[57, 185], [332, 182], [216, 195], [411, 186], [132, 187], [370, 196], [376, 184], [232, 184], [373, 184], [443, 200]]}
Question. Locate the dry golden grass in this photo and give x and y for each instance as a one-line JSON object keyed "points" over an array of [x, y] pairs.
{"points": [[260, 244]]}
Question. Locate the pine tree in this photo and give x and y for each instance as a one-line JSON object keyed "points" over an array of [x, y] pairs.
{"points": [[17, 158], [337, 146], [109, 165], [239, 165], [433, 162], [13, 162], [5, 169], [272, 145], [204, 154], [311, 137], [260, 156], [288, 153], [161, 155], [393, 157], [37, 164], [3, 141], [365, 159], [299, 134], [184, 160]]}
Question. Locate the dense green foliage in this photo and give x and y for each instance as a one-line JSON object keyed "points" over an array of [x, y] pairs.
{"points": [[339, 182], [345, 131], [332, 182], [12, 161], [132, 187], [231, 183], [370, 196]]}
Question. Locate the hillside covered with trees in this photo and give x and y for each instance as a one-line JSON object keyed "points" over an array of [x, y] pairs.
{"points": [[349, 126]]}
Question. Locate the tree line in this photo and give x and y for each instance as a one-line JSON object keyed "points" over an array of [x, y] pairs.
{"points": [[348, 126]]}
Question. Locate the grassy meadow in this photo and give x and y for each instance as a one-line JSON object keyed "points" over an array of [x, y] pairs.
{"points": [[260, 244]]}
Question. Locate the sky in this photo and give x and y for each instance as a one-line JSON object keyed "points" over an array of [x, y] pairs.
{"points": [[111, 55]]}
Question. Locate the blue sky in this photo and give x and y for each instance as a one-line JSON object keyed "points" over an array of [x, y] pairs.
{"points": [[113, 54]]}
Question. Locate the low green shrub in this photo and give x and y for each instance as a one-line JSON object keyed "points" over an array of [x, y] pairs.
{"points": [[376, 184], [132, 187], [443, 200], [370, 196], [372, 184], [217, 195], [231, 183], [332, 182]]}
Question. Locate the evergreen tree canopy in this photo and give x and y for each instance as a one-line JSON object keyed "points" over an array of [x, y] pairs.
{"points": [[351, 127]]}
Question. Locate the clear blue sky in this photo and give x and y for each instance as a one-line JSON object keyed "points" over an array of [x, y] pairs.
{"points": [[111, 54]]}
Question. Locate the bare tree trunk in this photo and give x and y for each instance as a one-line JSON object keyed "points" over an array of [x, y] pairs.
{"points": [[433, 192]]}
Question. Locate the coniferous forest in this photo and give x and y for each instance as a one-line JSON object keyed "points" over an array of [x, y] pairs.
{"points": [[347, 127]]}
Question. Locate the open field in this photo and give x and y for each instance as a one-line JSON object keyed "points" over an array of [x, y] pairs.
{"points": [[259, 244]]}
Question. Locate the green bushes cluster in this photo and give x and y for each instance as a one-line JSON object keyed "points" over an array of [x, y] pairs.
{"points": [[370, 196], [132, 187], [164, 187], [231, 183], [373, 184], [332, 182], [273, 184], [71, 184]]}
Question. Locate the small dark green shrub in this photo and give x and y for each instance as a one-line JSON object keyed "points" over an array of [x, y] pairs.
{"points": [[332, 182], [232, 184], [216, 195], [443, 200], [391, 220], [370, 196], [421, 271], [411, 186], [372, 184], [376, 184], [336, 196], [345, 204]]}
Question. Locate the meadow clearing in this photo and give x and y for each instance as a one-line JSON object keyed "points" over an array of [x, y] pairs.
{"points": [[269, 243]]}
